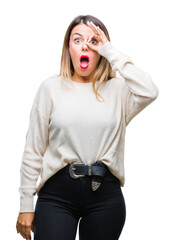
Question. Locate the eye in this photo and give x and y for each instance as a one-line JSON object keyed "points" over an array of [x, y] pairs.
{"points": [[94, 41], [76, 40]]}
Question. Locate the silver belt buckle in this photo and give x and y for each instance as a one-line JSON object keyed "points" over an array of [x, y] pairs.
{"points": [[72, 168]]}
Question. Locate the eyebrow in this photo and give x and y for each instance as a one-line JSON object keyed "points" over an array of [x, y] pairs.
{"points": [[78, 34]]}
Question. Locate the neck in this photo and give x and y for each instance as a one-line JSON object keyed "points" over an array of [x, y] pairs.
{"points": [[83, 79]]}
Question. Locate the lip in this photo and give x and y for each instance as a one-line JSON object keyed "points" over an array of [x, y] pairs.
{"points": [[86, 56]]}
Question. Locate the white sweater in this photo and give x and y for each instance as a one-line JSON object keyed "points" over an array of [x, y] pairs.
{"points": [[69, 124]]}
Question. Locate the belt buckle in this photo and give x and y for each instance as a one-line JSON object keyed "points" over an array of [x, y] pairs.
{"points": [[72, 168]]}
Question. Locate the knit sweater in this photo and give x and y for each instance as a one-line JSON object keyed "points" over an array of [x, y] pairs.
{"points": [[68, 123]]}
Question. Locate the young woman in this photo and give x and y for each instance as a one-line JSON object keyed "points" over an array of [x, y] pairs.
{"points": [[75, 139]]}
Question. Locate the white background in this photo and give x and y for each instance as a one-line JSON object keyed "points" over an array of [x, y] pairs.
{"points": [[32, 35]]}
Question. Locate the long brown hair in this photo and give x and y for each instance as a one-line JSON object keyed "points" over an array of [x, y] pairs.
{"points": [[104, 70]]}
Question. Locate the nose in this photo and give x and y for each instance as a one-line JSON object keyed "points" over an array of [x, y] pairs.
{"points": [[84, 46]]}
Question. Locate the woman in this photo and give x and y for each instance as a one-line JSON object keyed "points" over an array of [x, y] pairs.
{"points": [[76, 141]]}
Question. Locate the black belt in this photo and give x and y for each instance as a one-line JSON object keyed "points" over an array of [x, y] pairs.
{"points": [[97, 170]]}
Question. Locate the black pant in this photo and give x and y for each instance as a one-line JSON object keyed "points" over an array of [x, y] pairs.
{"points": [[63, 201]]}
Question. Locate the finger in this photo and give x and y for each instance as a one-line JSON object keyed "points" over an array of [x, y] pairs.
{"points": [[27, 233], [27, 237], [101, 31], [20, 228], [93, 26], [24, 232], [17, 228], [98, 30], [32, 227], [93, 36], [90, 37], [94, 48]]}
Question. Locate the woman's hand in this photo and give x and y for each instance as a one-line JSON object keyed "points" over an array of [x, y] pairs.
{"points": [[24, 224], [98, 35]]}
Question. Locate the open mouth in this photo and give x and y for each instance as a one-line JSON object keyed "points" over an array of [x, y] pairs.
{"points": [[84, 61]]}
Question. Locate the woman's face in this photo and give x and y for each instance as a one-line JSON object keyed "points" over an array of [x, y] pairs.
{"points": [[78, 47]]}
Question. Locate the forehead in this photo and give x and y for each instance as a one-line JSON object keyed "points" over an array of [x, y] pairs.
{"points": [[83, 29]]}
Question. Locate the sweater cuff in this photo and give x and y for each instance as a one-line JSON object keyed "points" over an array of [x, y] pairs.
{"points": [[115, 58], [26, 204], [104, 48]]}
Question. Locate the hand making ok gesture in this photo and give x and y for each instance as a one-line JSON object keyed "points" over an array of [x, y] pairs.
{"points": [[98, 35]]}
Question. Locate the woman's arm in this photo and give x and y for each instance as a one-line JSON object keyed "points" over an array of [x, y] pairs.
{"points": [[138, 89], [35, 146]]}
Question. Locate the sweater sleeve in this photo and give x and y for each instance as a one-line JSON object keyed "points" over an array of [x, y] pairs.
{"points": [[35, 147], [138, 89]]}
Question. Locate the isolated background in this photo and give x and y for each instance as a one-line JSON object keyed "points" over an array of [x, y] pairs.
{"points": [[31, 41]]}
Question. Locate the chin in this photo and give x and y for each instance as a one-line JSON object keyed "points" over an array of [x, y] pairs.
{"points": [[84, 73]]}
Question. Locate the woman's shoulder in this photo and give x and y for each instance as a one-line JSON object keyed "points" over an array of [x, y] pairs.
{"points": [[47, 86], [50, 81]]}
